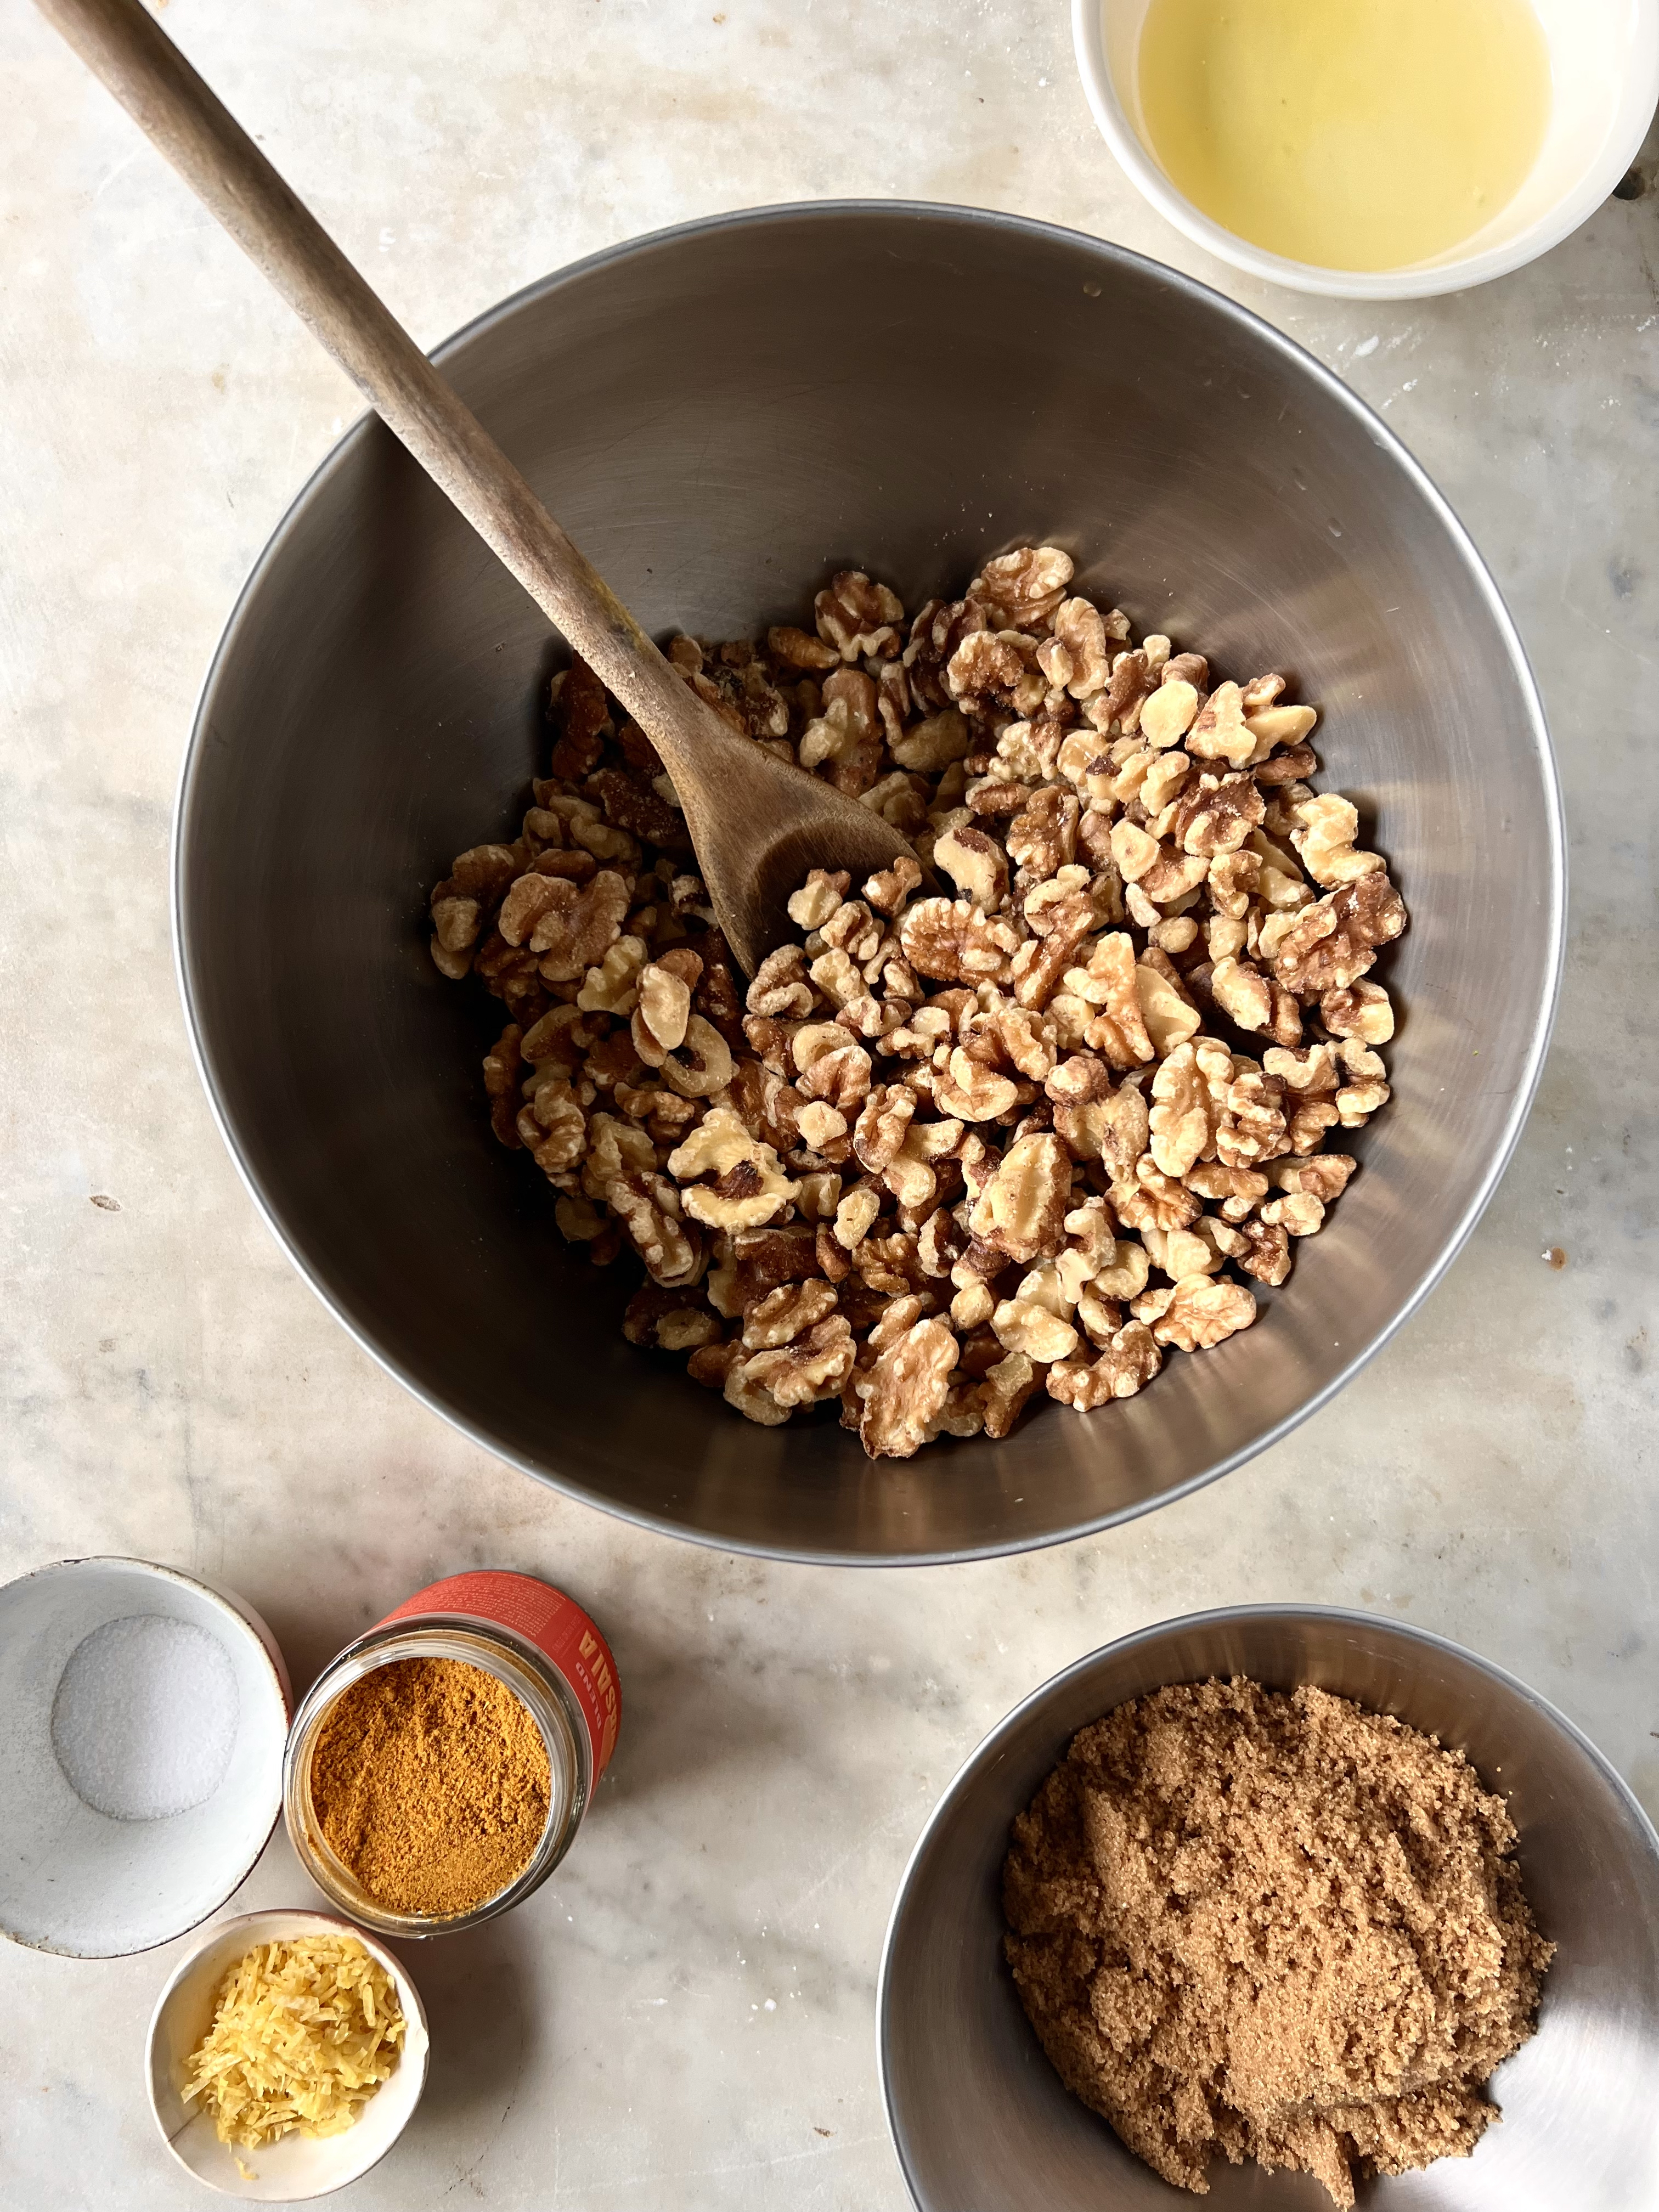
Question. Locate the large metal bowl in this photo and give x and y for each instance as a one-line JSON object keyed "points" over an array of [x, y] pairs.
{"points": [[720, 415], [979, 2117]]}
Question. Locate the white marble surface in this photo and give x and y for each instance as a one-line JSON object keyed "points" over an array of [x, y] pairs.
{"points": [[685, 2015]]}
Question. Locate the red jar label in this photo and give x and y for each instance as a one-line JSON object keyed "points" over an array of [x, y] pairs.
{"points": [[554, 1623]]}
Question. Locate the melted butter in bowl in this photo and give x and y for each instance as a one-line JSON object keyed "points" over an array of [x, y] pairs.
{"points": [[1349, 134]]}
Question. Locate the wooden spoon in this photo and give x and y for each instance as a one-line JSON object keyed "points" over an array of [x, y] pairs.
{"points": [[757, 823]]}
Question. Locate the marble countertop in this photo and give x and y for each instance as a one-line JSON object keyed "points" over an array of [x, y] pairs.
{"points": [[685, 2015]]}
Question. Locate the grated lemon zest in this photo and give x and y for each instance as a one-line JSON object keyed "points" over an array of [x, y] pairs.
{"points": [[304, 2032]]}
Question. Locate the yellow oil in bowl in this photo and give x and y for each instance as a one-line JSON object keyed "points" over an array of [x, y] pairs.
{"points": [[1353, 134]]}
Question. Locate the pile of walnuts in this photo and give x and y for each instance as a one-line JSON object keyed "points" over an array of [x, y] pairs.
{"points": [[1025, 1129]]}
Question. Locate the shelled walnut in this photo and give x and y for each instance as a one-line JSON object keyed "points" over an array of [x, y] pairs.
{"points": [[1008, 1130]]}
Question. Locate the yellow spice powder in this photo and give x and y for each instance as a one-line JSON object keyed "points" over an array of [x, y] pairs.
{"points": [[430, 1781]]}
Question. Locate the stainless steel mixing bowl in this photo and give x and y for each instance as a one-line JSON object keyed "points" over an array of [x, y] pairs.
{"points": [[720, 416], [979, 2118]]}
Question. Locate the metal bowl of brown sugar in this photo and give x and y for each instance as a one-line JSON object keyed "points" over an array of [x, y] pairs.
{"points": [[980, 2117], [722, 416]]}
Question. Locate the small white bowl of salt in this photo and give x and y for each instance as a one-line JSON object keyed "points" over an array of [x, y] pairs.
{"points": [[143, 1716]]}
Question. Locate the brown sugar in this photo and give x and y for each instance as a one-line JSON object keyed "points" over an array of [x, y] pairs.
{"points": [[431, 1783], [1249, 1925]]}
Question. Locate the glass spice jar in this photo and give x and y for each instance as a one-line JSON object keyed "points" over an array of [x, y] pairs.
{"points": [[528, 1636]]}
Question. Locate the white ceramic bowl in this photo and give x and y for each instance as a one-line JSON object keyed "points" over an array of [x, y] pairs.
{"points": [[297, 2166], [76, 1881], [1604, 66]]}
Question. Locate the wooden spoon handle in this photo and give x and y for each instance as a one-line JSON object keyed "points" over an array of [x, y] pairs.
{"points": [[128, 50]]}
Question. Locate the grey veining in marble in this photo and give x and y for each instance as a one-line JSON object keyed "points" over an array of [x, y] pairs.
{"points": [[685, 2015]]}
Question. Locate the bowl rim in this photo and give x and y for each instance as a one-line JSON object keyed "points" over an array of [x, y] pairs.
{"points": [[1259, 330], [258, 1631], [1635, 109], [409, 1996], [985, 1752]]}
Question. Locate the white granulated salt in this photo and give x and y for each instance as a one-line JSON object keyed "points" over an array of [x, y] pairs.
{"points": [[144, 1717]]}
